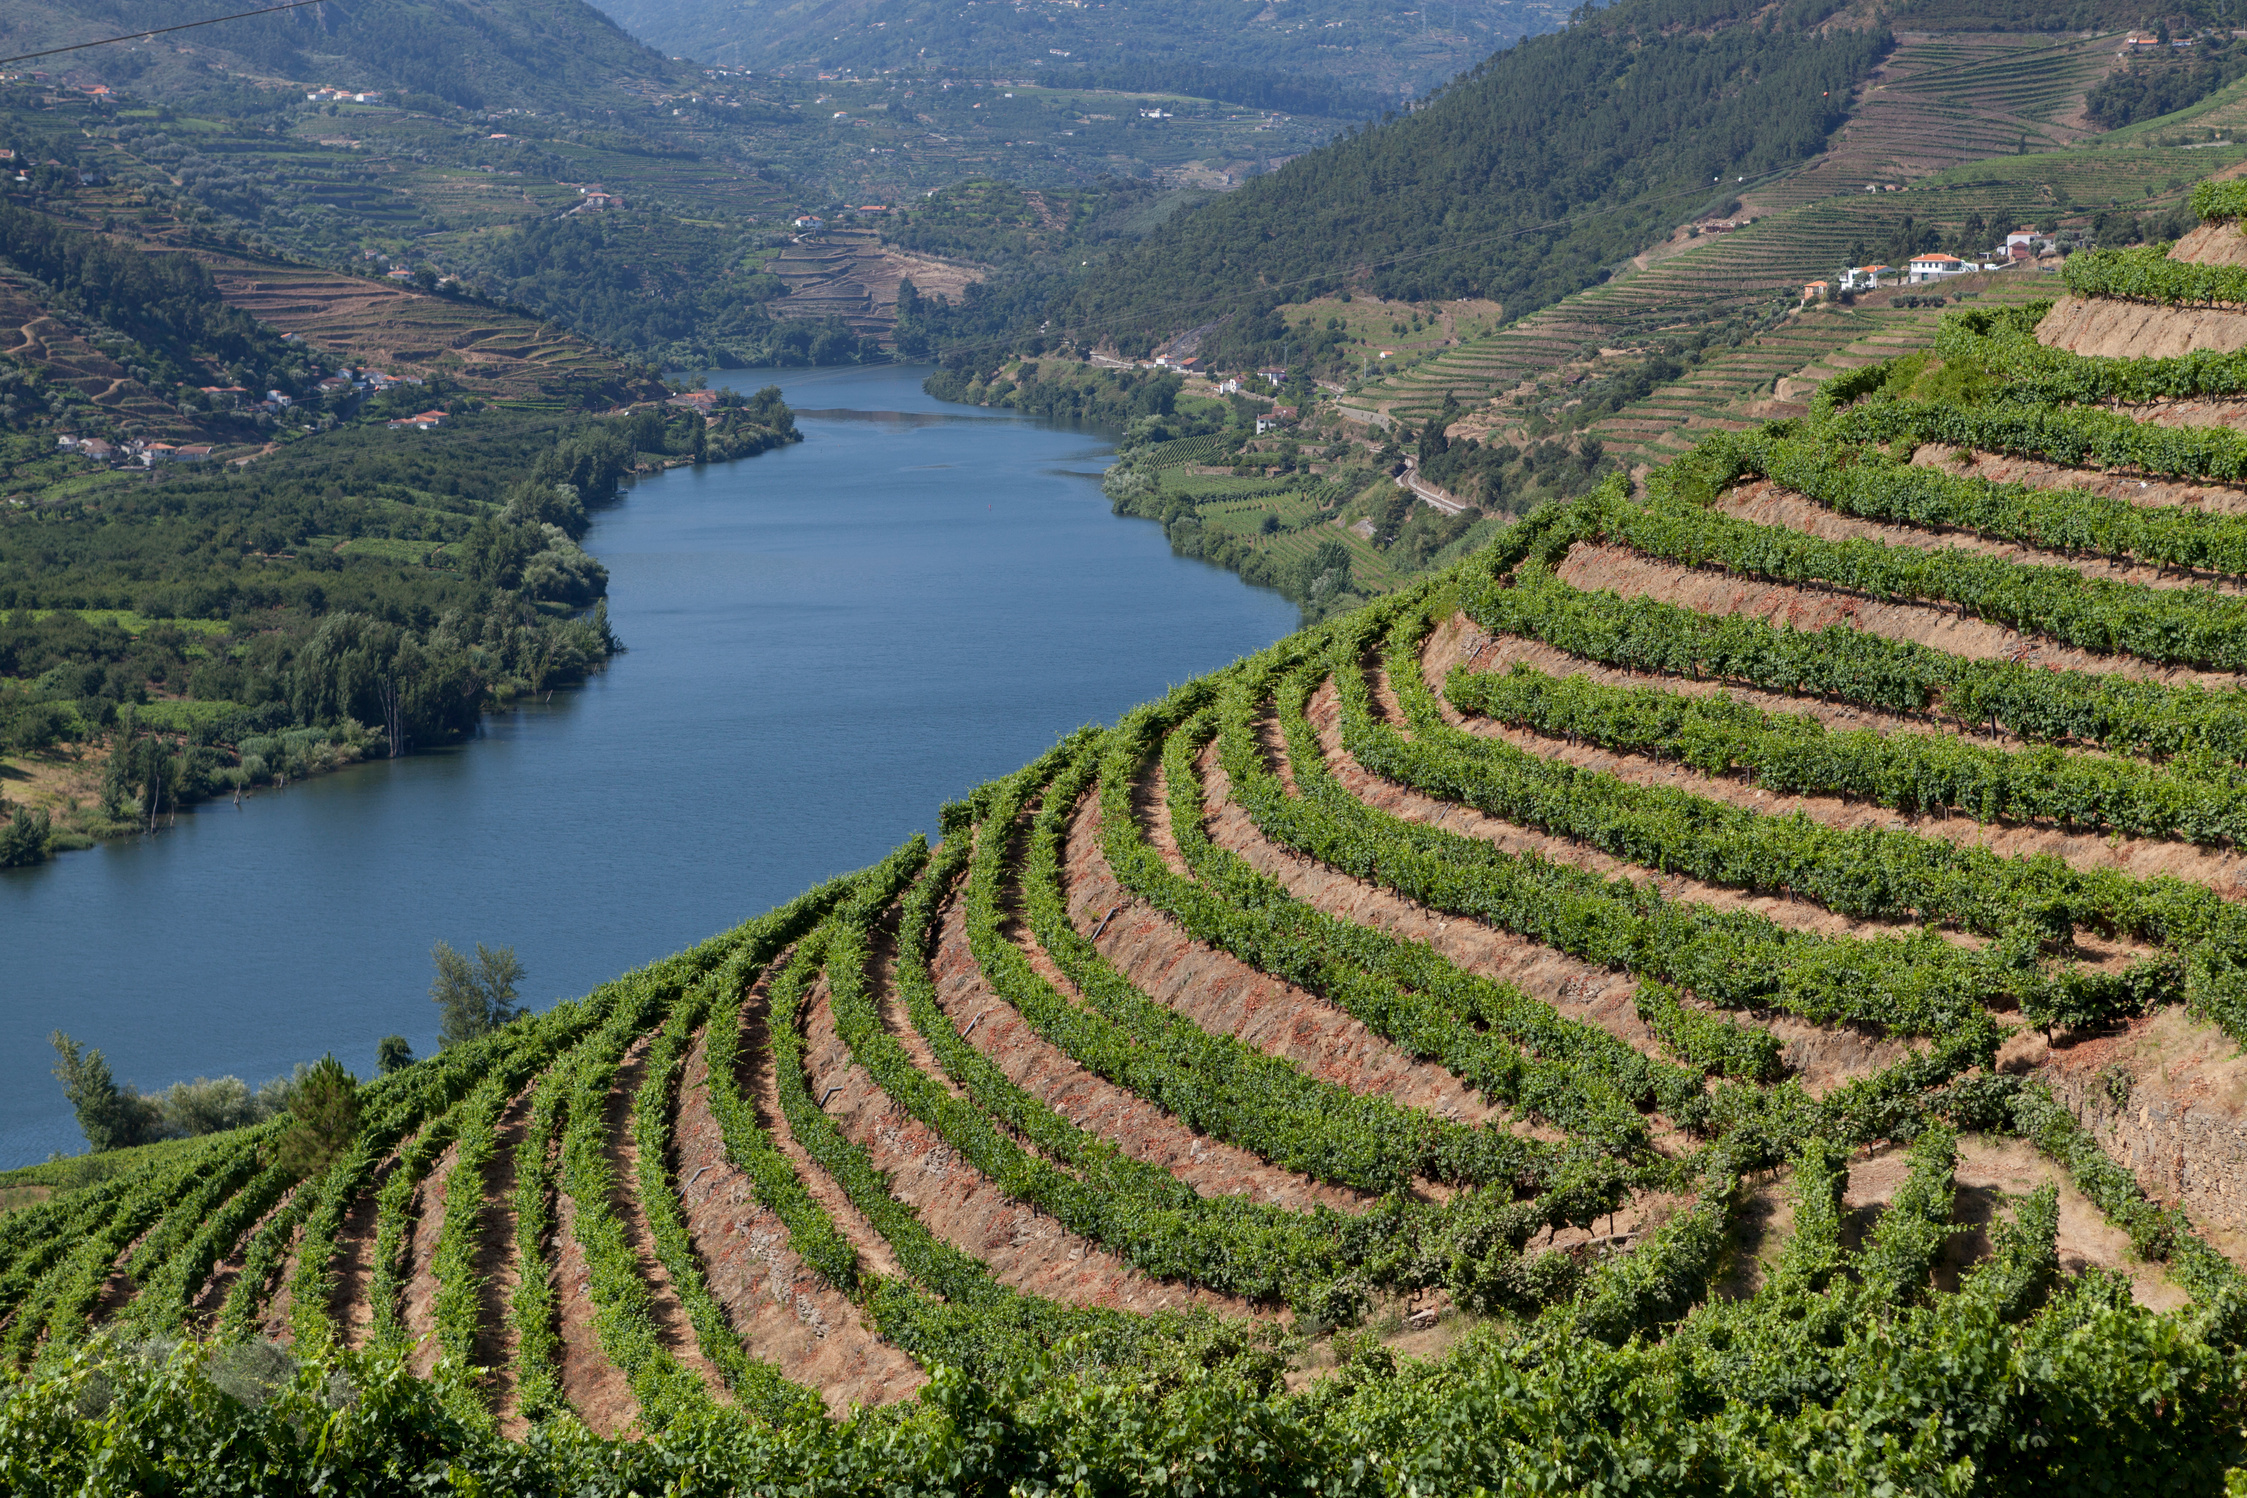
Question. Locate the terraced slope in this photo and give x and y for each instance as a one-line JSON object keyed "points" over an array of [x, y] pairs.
{"points": [[1941, 99], [1776, 936], [1968, 125], [1774, 373]]}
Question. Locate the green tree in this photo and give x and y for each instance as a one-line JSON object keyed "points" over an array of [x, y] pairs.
{"points": [[110, 1115], [476, 997], [23, 839], [392, 1053], [325, 1110]]}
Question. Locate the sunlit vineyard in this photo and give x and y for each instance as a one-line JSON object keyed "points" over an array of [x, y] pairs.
{"points": [[1736, 989]]}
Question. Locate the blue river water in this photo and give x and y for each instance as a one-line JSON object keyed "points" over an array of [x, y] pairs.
{"points": [[824, 644]]}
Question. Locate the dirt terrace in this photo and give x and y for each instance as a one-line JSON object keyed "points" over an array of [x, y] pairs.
{"points": [[1709, 591], [1766, 503], [783, 1311], [1137, 1127], [1022, 1247], [2166, 1094]]}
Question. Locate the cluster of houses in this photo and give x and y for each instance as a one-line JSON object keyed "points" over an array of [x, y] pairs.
{"points": [[342, 96], [134, 450], [2023, 244]]}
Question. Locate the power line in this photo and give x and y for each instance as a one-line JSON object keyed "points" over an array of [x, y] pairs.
{"points": [[153, 33]]}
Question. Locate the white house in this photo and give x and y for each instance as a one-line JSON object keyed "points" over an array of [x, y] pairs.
{"points": [[1936, 268], [1864, 277]]}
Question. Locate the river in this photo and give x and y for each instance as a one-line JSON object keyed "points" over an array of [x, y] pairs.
{"points": [[824, 644]]}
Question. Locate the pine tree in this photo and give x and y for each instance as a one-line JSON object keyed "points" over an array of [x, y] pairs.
{"points": [[476, 997]]}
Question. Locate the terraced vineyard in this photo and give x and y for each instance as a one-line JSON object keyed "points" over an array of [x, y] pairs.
{"points": [[1734, 988], [1968, 125], [1774, 373]]}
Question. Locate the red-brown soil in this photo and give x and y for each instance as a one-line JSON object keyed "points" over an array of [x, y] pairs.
{"points": [[595, 1386], [1022, 1247], [1992, 1173], [673, 1329], [783, 1311], [2109, 329], [2222, 869], [499, 1268], [1138, 1128], [1767, 504], [418, 1310], [349, 1302], [2150, 491], [1227, 997], [758, 1078], [1708, 591], [1821, 1057], [2182, 1123]]}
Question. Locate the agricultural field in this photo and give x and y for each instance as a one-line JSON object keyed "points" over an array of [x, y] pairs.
{"points": [[1733, 286], [1942, 99], [1772, 931]]}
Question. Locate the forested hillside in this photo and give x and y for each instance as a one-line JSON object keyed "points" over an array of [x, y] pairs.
{"points": [[1639, 110]]}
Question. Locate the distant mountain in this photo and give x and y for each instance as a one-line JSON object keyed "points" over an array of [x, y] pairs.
{"points": [[1399, 52], [553, 54]]}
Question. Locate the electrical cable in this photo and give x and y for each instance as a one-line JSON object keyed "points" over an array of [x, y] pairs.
{"points": [[157, 31]]}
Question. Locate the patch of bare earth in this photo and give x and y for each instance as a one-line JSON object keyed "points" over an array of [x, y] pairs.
{"points": [[782, 1310], [1022, 1247], [2165, 1095], [418, 1310], [2184, 1130], [2109, 329], [595, 1386], [210, 1297], [759, 1080], [1992, 1174], [350, 1300], [1821, 1057], [1137, 1127], [1226, 996], [672, 1328], [2221, 869], [1941, 627], [2149, 492], [1766, 503], [499, 1269]]}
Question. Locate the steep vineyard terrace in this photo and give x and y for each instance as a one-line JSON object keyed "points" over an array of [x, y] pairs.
{"points": [[1736, 970]]}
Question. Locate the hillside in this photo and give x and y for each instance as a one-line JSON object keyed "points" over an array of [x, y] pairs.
{"points": [[1747, 966], [1261, 57], [1635, 110], [480, 54]]}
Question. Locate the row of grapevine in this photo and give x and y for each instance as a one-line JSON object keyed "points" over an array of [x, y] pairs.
{"points": [[1796, 752]]}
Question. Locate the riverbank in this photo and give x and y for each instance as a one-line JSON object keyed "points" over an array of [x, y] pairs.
{"points": [[369, 610], [826, 645], [1287, 499]]}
